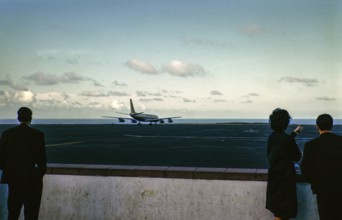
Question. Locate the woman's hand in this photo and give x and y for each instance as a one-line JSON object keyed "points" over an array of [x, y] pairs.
{"points": [[298, 129]]}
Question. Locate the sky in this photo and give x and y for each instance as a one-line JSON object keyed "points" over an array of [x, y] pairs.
{"points": [[194, 58]]}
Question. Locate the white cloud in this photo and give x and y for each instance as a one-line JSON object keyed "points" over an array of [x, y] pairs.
{"points": [[183, 69], [96, 105], [116, 104], [142, 66], [5, 98], [24, 97]]}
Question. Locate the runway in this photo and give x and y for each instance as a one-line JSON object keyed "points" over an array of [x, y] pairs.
{"points": [[195, 145]]}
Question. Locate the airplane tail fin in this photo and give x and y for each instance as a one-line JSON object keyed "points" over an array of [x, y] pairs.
{"points": [[132, 107]]}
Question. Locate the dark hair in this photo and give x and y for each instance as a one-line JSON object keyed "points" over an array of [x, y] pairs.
{"points": [[24, 114], [324, 122], [279, 119]]}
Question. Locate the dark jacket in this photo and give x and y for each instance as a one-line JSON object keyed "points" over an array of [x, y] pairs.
{"points": [[282, 152], [22, 155], [322, 163]]}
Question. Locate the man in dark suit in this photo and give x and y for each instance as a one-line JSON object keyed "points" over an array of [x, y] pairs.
{"points": [[23, 165], [322, 168]]}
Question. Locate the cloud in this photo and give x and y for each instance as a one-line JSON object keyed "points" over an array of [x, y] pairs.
{"points": [[96, 105], [17, 98], [43, 78], [102, 94], [71, 77], [249, 95], [145, 93], [324, 98], [309, 82], [215, 92], [116, 83], [219, 100], [65, 96], [93, 94], [116, 104], [8, 82], [253, 94], [142, 66], [247, 101], [188, 100], [116, 93], [174, 68], [253, 30], [24, 97], [95, 83], [5, 98], [183, 69], [46, 79], [150, 100]]}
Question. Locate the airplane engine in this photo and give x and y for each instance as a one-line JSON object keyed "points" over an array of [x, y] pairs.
{"points": [[170, 120], [134, 121], [161, 121], [121, 120]]}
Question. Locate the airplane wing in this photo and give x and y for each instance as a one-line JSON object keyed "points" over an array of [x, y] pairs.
{"points": [[121, 119]]}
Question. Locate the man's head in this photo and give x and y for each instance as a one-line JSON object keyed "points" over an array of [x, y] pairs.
{"points": [[324, 122], [24, 114]]}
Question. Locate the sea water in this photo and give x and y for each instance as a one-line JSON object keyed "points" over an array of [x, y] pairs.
{"points": [[176, 121]]}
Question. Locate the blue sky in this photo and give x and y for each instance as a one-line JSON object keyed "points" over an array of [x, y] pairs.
{"points": [[198, 59]]}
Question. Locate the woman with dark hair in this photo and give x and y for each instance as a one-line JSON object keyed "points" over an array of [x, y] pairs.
{"points": [[282, 152]]}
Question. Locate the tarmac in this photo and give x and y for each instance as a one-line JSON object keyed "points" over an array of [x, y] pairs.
{"points": [[187, 145]]}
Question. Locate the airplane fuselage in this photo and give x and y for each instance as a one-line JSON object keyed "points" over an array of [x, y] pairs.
{"points": [[145, 117]]}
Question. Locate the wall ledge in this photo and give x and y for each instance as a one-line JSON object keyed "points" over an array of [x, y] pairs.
{"points": [[160, 172]]}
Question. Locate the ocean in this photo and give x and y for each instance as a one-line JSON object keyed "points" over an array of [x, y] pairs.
{"points": [[176, 121]]}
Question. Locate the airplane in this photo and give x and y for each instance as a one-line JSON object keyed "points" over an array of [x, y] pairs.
{"points": [[141, 117]]}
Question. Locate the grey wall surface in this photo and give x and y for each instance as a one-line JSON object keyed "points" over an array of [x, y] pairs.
{"points": [[3, 200], [68, 197]]}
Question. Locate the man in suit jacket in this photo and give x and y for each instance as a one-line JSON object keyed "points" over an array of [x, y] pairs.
{"points": [[322, 168], [23, 165]]}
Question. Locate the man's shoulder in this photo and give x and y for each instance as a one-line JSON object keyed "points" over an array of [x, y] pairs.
{"points": [[10, 130], [314, 141], [324, 138], [34, 130], [20, 128]]}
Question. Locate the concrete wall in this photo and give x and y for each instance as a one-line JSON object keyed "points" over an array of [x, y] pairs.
{"points": [[136, 197], [3, 200]]}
